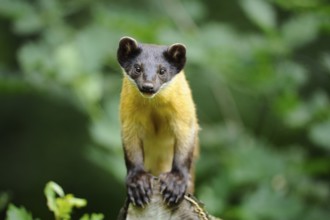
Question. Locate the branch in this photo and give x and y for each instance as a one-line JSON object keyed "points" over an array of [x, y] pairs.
{"points": [[189, 209]]}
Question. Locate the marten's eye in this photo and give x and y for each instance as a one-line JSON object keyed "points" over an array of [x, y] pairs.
{"points": [[137, 68], [162, 71]]}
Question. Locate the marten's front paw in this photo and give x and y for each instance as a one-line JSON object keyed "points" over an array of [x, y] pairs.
{"points": [[173, 186], [139, 187]]}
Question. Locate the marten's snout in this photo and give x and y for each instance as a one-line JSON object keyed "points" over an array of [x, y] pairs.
{"points": [[147, 87]]}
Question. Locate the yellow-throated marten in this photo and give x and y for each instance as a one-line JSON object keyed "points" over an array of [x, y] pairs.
{"points": [[158, 120]]}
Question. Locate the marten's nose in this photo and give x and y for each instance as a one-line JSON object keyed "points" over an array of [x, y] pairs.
{"points": [[147, 87]]}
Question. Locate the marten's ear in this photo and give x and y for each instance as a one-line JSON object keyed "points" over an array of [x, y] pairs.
{"points": [[176, 54], [128, 49]]}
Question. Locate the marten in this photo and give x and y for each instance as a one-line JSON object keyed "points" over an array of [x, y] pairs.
{"points": [[159, 126]]}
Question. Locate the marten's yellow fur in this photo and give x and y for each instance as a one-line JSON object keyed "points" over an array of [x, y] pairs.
{"points": [[158, 121]]}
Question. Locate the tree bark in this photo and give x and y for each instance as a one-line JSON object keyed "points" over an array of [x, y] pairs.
{"points": [[189, 209]]}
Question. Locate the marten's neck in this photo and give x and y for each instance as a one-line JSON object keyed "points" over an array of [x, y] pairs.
{"points": [[167, 92]]}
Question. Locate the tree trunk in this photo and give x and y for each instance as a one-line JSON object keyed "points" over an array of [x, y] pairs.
{"points": [[189, 209]]}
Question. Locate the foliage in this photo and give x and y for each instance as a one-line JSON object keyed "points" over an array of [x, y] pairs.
{"points": [[60, 204], [15, 213], [260, 76]]}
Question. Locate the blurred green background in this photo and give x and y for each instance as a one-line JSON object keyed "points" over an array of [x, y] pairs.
{"points": [[260, 75]]}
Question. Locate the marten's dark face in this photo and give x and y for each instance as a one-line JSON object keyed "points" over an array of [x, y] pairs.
{"points": [[150, 67]]}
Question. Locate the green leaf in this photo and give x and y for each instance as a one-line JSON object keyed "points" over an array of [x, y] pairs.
{"points": [[53, 188], [93, 216], [300, 30], [291, 75], [72, 201], [59, 203], [50, 191], [66, 204], [25, 17], [326, 62], [266, 202], [299, 116], [260, 12], [320, 134], [68, 62], [15, 213], [4, 200]]}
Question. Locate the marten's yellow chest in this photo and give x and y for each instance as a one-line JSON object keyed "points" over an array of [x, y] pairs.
{"points": [[151, 127], [157, 142]]}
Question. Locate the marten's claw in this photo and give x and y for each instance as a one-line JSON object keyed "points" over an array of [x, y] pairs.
{"points": [[173, 187], [139, 188]]}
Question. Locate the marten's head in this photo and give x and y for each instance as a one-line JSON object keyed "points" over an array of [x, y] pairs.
{"points": [[150, 67]]}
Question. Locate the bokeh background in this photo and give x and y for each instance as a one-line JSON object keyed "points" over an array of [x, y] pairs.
{"points": [[260, 75]]}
